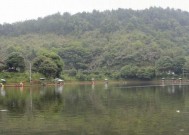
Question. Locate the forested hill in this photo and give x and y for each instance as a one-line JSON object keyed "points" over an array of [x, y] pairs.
{"points": [[125, 20], [117, 40]]}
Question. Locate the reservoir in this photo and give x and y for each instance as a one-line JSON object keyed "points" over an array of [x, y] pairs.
{"points": [[100, 109]]}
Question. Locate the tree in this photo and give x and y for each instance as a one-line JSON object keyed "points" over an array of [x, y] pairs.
{"points": [[186, 64], [129, 71], [48, 68], [178, 64], [76, 57], [57, 60], [15, 62], [49, 65], [146, 73], [164, 64]]}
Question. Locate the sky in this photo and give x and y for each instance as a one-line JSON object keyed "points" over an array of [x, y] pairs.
{"points": [[20, 10]]}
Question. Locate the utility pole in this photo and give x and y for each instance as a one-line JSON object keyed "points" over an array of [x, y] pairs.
{"points": [[30, 73], [183, 73]]}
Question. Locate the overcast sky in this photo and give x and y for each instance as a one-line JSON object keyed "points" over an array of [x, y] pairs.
{"points": [[21, 10]]}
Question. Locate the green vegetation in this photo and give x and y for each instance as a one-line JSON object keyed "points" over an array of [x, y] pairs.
{"points": [[15, 62], [49, 65], [119, 44], [15, 77]]}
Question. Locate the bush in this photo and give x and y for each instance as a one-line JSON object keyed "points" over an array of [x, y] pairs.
{"points": [[133, 72], [72, 72], [116, 75], [146, 73], [129, 71]]}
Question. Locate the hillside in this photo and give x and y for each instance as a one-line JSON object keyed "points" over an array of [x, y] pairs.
{"points": [[109, 42]]}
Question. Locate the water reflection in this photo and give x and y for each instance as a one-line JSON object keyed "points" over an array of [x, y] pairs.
{"points": [[93, 86], [59, 89], [78, 109], [106, 83], [106, 86], [21, 89], [3, 93], [171, 90], [43, 90]]}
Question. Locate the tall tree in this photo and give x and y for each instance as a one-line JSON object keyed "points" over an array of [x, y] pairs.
{"points": [[15, 62], [49, 65], [164, 64]]}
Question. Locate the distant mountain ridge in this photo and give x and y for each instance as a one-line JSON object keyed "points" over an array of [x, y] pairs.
{"points": [[107, 21]]}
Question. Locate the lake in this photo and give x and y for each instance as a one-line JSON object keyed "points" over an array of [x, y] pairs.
{"points": [[84, 109]]}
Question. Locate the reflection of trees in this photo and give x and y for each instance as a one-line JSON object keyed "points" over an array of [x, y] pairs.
{"points": [[14, 102], [82, 110], [48, 99], [172, 95], [2, 91], [127, 111]]}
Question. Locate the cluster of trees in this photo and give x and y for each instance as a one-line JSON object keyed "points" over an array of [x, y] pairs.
{"points": [[50, 65], [133, 72], [175, 65], [121, 43], [106, 22], [163, 66]]}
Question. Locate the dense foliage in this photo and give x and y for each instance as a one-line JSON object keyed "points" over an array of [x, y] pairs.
{"points": [[49, 65], [15, 62], [109, 43]]}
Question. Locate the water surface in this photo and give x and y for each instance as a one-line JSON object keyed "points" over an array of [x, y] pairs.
{"points": [[113, 109]]}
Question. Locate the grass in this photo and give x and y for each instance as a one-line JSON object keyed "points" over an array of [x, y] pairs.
{"points": [[12, 77]]}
